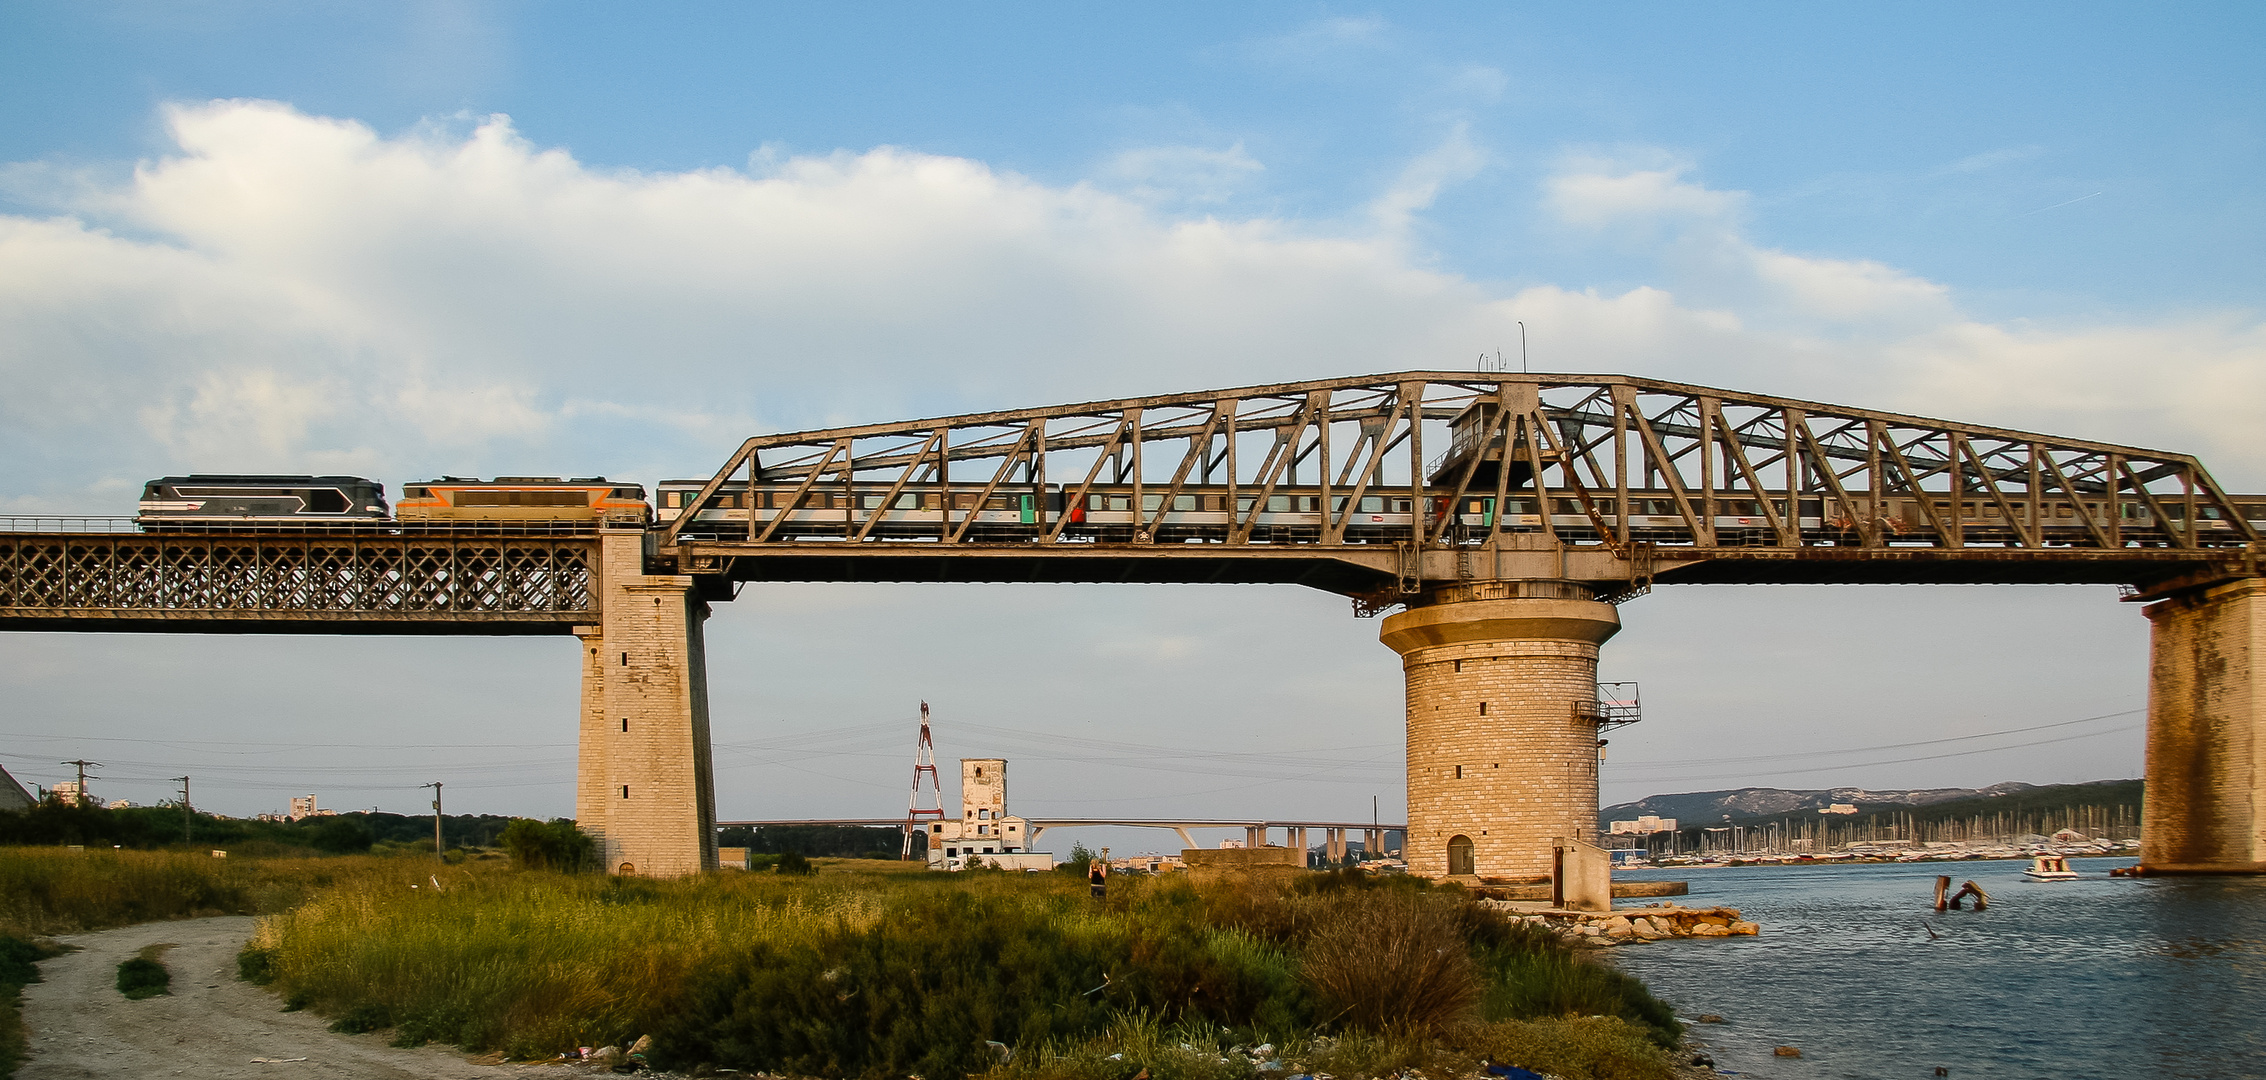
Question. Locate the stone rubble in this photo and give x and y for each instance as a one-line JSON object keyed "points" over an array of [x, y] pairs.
{"points": [[1628, 926]]}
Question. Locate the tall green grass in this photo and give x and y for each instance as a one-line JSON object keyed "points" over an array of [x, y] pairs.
{"points": [[48, 890], [870, 975]]}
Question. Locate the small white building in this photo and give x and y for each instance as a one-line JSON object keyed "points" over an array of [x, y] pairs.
{"points": [[1643, 826], [985, 832]]}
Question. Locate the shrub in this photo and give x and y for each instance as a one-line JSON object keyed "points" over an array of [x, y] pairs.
{"points": [[793, 864], [554, 845], [343, 835], [256, 965], [1393, 962], [145, 976], [1576, 1048]]}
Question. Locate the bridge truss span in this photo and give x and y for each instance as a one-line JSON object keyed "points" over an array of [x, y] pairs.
{"points": [[305, 582], [1392, 484]]}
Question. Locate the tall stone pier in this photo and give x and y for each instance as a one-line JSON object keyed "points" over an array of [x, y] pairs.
{"points": [[2205, 811], [645, 785], [1502, 730]]}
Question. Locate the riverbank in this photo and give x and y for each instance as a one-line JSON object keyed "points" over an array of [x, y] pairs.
{"points": [[871, 971]]}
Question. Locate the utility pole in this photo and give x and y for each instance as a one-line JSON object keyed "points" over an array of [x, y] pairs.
{"points": [[437, 851], [83, 765], [188, 816]]}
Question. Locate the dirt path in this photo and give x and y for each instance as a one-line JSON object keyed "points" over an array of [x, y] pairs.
{"points": [[211, 1027]]}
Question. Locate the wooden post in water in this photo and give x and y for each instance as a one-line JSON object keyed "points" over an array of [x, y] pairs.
{"points": [[1943, 892]]}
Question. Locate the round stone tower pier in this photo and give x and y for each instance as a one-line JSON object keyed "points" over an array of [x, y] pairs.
{"points": [[1502, 725]]}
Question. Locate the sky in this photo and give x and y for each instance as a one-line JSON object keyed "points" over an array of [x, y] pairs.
{"points": [[406, 240]]}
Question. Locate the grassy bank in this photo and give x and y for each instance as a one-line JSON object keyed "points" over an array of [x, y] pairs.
{"points": [[884, 974], [49, 890]]}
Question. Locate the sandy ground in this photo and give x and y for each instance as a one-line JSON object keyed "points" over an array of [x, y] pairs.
{"points": [[212, 1026]]}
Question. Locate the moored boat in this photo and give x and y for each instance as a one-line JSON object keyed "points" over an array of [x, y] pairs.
{"points": [[2050, 868]]}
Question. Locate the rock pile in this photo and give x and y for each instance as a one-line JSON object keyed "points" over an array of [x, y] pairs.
{"points": [[1657, 922]]}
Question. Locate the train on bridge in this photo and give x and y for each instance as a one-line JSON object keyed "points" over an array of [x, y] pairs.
{"points": [[212, 501], [1107, 513], [1117, 513]]}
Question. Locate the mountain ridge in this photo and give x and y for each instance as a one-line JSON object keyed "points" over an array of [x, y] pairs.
{"points": [[1694, 808]]}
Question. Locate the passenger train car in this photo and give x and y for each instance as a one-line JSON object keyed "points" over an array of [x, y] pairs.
{"points": [[526, 499], [207, 500], [1199, 513]]}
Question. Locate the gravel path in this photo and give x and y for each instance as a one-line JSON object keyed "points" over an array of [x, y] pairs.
{"points": [[211, 1027]]}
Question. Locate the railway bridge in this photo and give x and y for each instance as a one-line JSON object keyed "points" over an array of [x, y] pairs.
{"points": [[1495, 521]]}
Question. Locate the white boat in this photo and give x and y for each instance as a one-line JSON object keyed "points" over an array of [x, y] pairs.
{"points": [[2049, 868]]}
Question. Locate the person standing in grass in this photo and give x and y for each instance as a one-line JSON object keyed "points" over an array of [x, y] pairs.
{"points": [[1097, 875]]}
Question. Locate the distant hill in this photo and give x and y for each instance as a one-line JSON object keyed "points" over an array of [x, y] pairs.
{"points": [[1707, 807], [1747, 805]]}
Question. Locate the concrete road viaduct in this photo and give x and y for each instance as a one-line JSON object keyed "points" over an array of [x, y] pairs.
{"points": [[1495, 521]]}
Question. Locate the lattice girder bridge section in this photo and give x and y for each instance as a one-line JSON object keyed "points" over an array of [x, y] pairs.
{"points": [[1391, 485], [338, 582]]}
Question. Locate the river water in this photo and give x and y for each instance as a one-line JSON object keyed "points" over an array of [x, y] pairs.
{"points": [[2103, 977]]}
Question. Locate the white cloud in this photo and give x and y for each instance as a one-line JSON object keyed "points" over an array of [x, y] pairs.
{"points": [[287, 289], [1190, 174]]}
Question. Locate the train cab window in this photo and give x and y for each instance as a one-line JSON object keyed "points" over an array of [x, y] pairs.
{"points": [[326, 501]]}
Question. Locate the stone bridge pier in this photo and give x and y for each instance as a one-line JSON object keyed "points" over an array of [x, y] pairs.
{"points": [[645, 784], [1502, 732], [2205, 810]]}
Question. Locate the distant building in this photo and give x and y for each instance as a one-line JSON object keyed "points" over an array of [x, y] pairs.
{"points": [[1229, 844], [12, 794], [305, 808], [121, 804], [1643, 826], [985, 831], [69, 793], [1840, 808]]}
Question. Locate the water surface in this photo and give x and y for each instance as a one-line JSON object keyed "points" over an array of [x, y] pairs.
{"points": [[2109, 977]]}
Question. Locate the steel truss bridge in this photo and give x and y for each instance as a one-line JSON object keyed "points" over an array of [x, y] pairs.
{"points": [[1385, 486], [1379, 488], [1495, 507]]}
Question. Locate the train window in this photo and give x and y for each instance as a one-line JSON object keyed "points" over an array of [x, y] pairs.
{"points": [[414, 492], [1278, 504], [1152, 503], [1570, 507], [1813, 507], [326, 501], [1605, 506], [2064, 511], [1990, 510]]}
